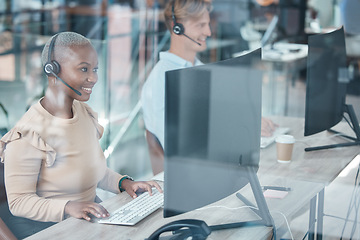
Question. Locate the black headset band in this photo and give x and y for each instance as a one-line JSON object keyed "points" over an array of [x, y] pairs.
{"points": [[51, 47], [173, 12]]}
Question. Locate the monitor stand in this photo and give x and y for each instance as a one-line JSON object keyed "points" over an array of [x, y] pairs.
{"points": [[261, 210], [349, 109], [183, 231]]}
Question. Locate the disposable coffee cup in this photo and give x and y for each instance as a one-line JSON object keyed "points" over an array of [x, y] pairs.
{"points": [[284, 148]]}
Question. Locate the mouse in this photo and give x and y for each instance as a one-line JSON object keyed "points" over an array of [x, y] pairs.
{"points": [[182, 229]]}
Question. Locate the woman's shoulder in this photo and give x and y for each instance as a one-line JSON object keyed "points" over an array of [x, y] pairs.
{"points": [[85, 109], [88, 111], [31, 118], [26, 139], [82, 106], [26, 132]]}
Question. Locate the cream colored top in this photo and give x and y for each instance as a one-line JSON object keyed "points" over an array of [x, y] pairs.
{"points": [[50, 161]]}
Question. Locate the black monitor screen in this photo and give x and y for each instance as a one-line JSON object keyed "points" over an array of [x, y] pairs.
{"points": [[326, 81], [292, 18], [212, 130]]}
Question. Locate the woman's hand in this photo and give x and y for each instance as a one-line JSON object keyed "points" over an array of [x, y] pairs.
{"points": [[132, 187], [83, 209]]}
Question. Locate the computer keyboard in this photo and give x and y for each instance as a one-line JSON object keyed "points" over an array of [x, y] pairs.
{"points": [[136, 210], [266, 141]]}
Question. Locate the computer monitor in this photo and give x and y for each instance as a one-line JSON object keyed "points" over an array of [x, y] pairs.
{"points": [[326, 82], [212, 134], [291, 18], [292, 15]]}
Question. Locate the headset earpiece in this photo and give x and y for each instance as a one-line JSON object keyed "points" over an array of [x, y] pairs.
{"points": [[178, 29], [51, 67]]}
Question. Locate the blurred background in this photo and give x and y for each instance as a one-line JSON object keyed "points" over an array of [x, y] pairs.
{"points": [[128, 36]]}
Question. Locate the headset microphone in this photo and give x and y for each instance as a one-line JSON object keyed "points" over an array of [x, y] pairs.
{"points": [[178, 28], [57, 77], [192, 39], [52, 67]]}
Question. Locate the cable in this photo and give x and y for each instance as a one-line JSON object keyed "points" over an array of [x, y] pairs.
{"points": [[356, 214], [356, 207], [303, 140], [351, 204], [357, 202], [287, 223], [227, 208]]}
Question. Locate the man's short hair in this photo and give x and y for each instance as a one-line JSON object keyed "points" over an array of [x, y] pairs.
{"points": [[185, 9]]}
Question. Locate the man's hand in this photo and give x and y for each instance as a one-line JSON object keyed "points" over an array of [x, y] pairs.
{"points": [[267, 127]]}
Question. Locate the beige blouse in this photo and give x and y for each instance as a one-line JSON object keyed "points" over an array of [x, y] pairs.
{"points": [[50, 161]]}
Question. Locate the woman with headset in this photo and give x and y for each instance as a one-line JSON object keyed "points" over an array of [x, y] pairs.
{"points": [[52, 157]]}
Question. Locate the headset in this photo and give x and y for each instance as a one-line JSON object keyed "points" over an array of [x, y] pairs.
{"points": [[178, 28], [52, 67]]}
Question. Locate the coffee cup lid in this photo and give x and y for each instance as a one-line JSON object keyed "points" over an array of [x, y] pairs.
{"points": [[285, 139]]}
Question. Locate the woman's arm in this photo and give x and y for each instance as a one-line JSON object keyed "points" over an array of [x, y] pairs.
{"points": [[22, 167], [111, 181]]}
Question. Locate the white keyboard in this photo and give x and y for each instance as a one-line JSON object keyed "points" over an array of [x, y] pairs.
{"points": [[266, 141], [136, 210]]}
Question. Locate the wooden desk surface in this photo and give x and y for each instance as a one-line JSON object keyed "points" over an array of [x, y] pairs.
{"points": [[321, 166], [306, 174], [295, 200]]}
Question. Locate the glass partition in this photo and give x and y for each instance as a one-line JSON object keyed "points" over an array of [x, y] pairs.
{"points": [[128, 37]]}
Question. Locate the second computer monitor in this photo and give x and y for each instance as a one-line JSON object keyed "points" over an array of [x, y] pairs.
{"points": [[327, 78], [326, 81]]}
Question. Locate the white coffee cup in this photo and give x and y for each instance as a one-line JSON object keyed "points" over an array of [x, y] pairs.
{"points": [[284, 148]]}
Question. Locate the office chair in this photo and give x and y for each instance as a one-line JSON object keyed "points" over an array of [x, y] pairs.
{"points": [[5, 232], [156, 152]]}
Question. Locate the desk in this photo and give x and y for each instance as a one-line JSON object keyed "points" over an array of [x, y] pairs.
{"points": [[306, 175], [284, 52], [317, 166], [80, 229], [281, 52]]}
